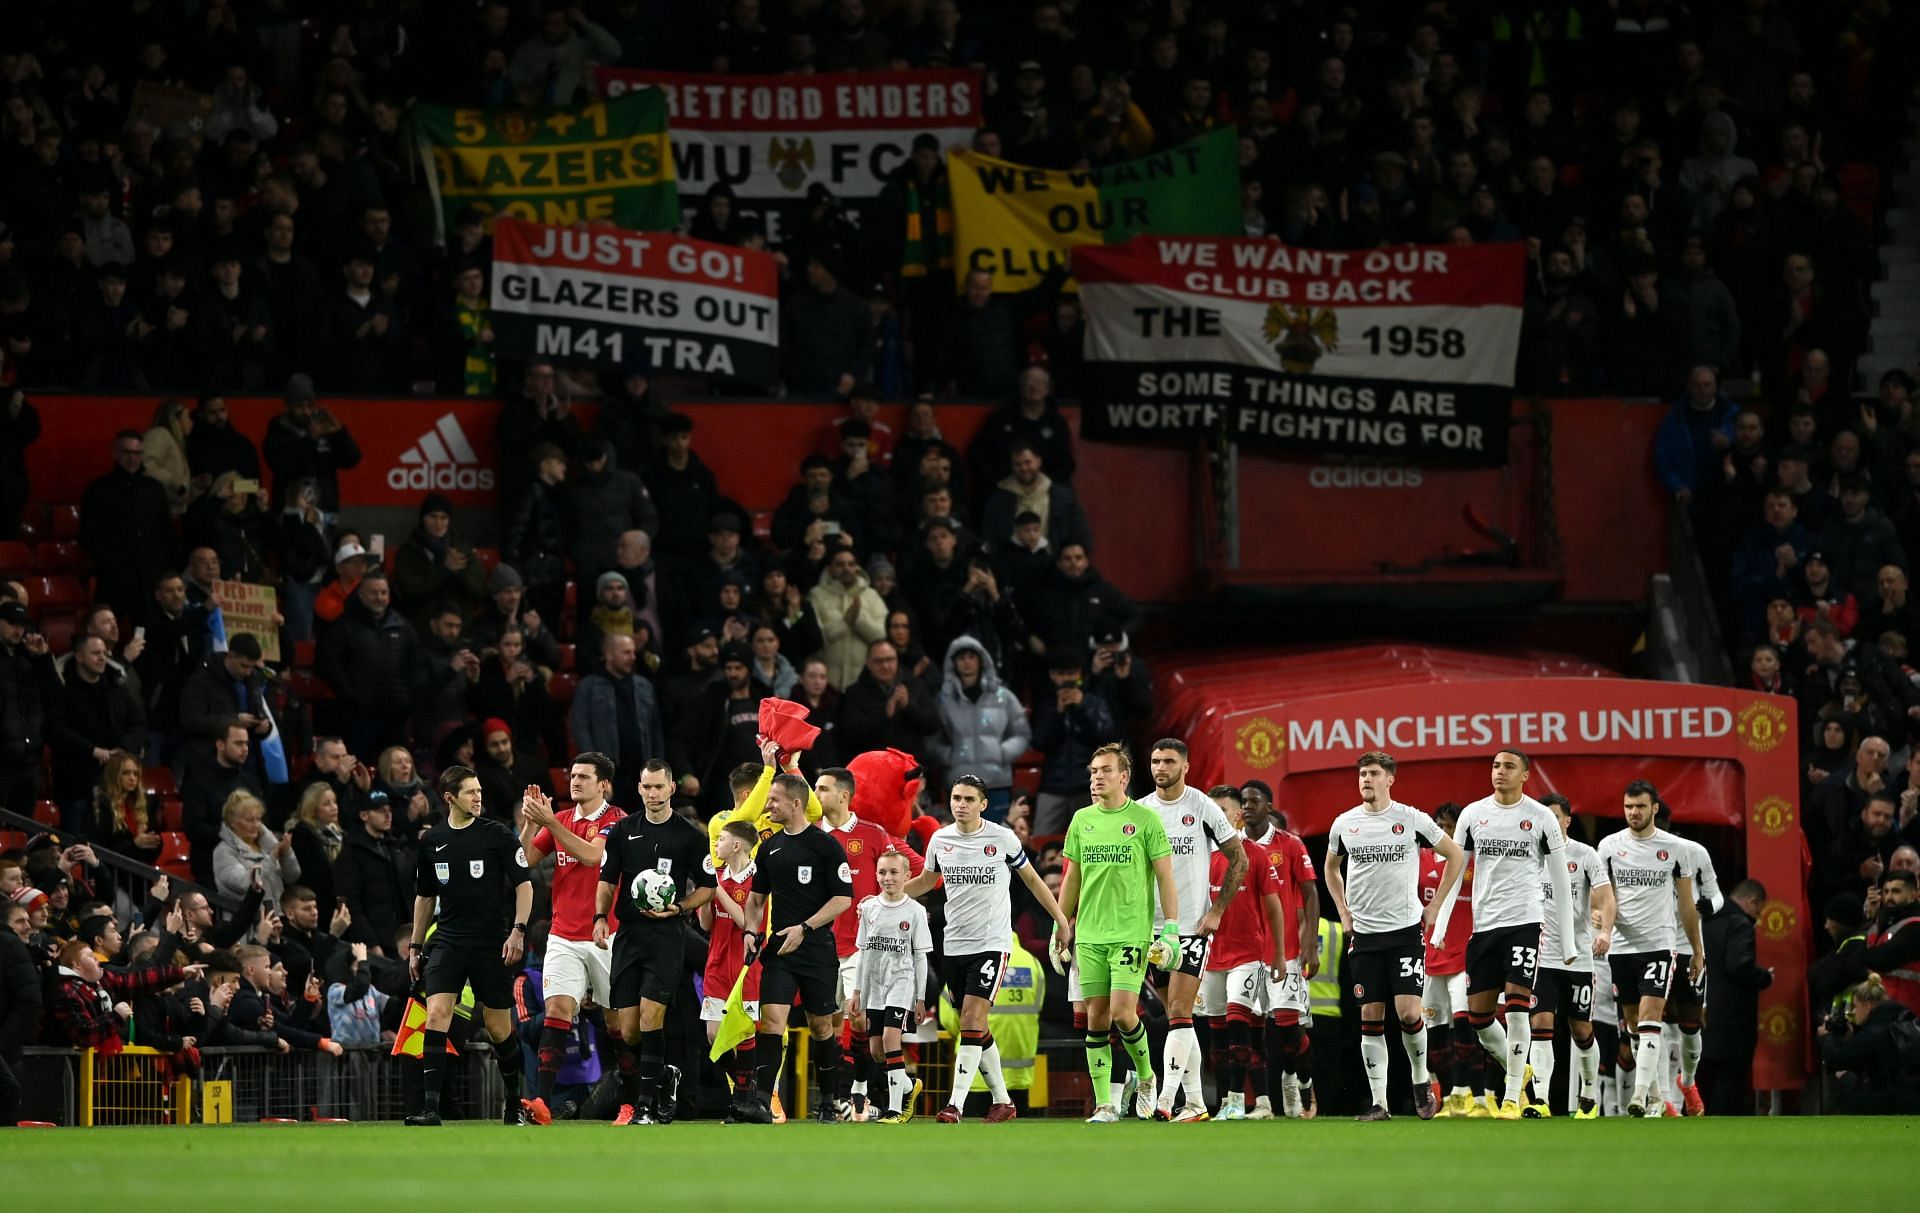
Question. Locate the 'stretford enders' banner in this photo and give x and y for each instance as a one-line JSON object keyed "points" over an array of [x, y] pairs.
{"points": [[1405, 351], [771, 137], [651, 300], [1019, 223], [562, 164]]}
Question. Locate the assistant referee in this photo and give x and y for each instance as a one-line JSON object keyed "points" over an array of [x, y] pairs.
{"points": [[469, 867], [804, 871]]}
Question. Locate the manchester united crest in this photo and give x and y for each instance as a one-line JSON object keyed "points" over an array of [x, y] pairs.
{"points": [[1762, 724], [1779, 1024], [791, 160], [1777, 920], [1300, 335], [1774, 816], [1259, 743]]}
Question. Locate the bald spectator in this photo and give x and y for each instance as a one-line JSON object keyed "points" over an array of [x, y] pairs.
{"points": [[883, 709], [615, 712]]}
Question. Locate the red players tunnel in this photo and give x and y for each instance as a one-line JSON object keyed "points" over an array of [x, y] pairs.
{"points": [[1724, 759]]}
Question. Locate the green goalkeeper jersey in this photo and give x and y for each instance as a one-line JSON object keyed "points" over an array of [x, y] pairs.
{"points": [[1114, 850]]}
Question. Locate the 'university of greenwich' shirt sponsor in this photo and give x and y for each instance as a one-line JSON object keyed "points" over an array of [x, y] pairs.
{"points": [[1383, 864], [1584, 874], [1195, 825], [892, 934], [978, 869], [1646, 873], [1510, 845]]}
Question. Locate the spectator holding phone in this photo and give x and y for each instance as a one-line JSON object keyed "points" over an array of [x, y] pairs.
{"points": [[306, 440], [248, 846]]}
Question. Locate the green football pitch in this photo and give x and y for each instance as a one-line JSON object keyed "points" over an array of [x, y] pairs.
{"points": [[1036, 1166]]}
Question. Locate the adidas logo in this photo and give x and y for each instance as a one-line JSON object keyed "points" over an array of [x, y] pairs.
{"points": [[441, 460]]}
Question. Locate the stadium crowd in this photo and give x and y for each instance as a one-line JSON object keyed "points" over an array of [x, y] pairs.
{"points": [[1688, 180]]}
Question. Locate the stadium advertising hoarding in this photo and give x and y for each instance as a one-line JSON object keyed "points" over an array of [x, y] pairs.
{"points": [[1021, 223], [636, 301], [605, 160], [772, 138], [1398, 352], [1720, 757]]}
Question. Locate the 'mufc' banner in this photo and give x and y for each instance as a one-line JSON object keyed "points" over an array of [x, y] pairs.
{"points": [[1405, 351], [639, 301], [770, 137]]}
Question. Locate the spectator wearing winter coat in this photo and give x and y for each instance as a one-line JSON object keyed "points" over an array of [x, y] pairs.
{"points": [[607, 501], [885, 708], [826, 330], [1067, 725], [983, 728], [373, 877], [231, 685], [615, 712], [92, 1005], [718, 729], [205, 788], [246, 846], [536, 537], [1860, 542], [1768, 561], [20, 1004], [307, 440], [851, 618], [1713, 318], [372, 660], [554, 67], [1693, 436], [126, 527], [1033, 417], [1029, 490], [95, 715], [435, 567], [1730, 1034], [1078, 602]]}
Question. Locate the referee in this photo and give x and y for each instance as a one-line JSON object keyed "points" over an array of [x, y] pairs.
{"points": [[470, 865], [649, 950], [804, 872]]}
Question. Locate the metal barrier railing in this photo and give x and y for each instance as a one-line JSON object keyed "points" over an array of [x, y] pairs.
{"points": [[123, 882], [247, 1085]]}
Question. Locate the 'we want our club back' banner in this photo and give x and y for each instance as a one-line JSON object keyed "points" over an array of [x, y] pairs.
{"points": [[772, 137], [635, 300], [606, 160], [1397, 352]]}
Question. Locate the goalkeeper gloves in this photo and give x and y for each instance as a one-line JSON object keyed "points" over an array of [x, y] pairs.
{"points": [[1165, 950]]}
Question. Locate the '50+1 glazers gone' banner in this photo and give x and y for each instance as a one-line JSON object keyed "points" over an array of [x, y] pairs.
{"points": [[1395, 352], [635, 300]]}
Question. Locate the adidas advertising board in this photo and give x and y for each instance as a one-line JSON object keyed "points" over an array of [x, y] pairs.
{"points": [[1403, 352], [636, 301]]}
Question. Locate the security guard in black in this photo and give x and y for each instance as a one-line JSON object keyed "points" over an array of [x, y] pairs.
{"points": [[474, 871]]}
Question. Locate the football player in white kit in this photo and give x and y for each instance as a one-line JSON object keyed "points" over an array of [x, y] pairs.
{"points": [[1567, 990], [1513, 838], [1652, 874], [1196, 827], [1687, 999], [978, 860], [1373, 875]]}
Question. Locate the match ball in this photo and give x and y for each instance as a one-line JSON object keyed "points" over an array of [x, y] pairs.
{"points": [[655, 890]]}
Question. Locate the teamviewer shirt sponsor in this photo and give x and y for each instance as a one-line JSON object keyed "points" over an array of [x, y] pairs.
{"points": [[1645, 874], [1510, 845], [1383, 864], [1195, 827], [1585, 873], [978, 869], [576, 884]]}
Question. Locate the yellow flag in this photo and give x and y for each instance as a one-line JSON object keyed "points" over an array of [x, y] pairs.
{"points": [[410, 1040], [735, 1025]]}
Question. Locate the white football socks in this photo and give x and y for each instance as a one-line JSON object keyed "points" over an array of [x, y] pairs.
{"points": [[1540, 1057], [990, 1069], [1415, 1043], [966, 1062], [1373, 1051], [1586, 1059], [1519, 1038]]}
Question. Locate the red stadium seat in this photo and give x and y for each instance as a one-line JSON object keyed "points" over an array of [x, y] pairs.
{"points": [[304, 652], [763, 525], [55, 593], [16, 559], [58, 627], [561, 688], [159, 782], [176, 857], [172, 815], [571, 601], [308, 686], [69, 558], [1859, 180], [558, 777], [12, 840], [489, 557], [63, 522], [567, 664], [47, 813]]}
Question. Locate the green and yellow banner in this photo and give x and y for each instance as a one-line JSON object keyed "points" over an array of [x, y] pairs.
{"points": [[1018, 223], [560, 164]]}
